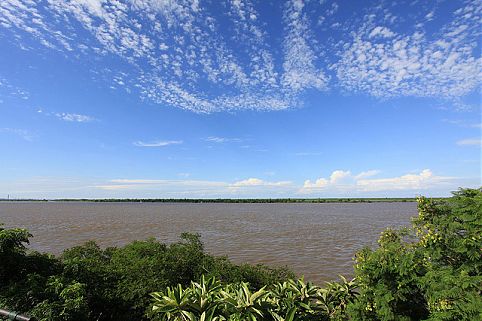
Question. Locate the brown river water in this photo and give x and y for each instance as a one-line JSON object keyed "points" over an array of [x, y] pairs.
{"points": [[315, 240]]}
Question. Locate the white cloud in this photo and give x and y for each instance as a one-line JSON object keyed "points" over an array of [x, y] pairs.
{"points": [[381, 32], [429, 16], [195, 188], [423, 180], [137, 181], [413, 64], [366, 174], [140, 184], [159, 143], [462, 123], [319, 183], [216, 139], [115, 187], [469, 142], [344, 181], [258, 182], [180, 47], [11, 91], [300, 71], [338, 176], [74, 117], [206, 59]]}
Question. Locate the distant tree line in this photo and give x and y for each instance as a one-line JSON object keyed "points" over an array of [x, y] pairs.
{"points": [[228, 200]]}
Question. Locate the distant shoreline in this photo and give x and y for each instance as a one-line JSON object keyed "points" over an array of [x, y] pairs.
{"points": [[230, 200]]}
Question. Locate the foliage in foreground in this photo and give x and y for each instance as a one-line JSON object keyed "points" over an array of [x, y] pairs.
{"points": [[90, 283], [209, 300], [431, 271]]}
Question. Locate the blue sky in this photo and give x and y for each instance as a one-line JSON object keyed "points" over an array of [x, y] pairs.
{"points": [[166, 98]]}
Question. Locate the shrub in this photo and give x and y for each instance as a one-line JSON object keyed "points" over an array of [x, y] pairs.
{"points": [[210, 300], [90, 283], [429, 272]]}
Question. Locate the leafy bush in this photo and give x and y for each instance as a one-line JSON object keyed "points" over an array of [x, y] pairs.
{"points": [[90, 283], [210, 300], [29, 281], [429, 272]]}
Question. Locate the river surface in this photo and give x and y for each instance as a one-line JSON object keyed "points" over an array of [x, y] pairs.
{"points": [[315, 240]]}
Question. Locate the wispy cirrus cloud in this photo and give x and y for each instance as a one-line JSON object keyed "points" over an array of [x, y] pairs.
{"points": [[224, 56], [196, 188], [385, 63], [367, 174], [134, 183], [217, 139], [70, 117], [9, 90], [157, 143], [470, 142], [299, 67], [259, 182], [308, 154], [159, 184], [462, 123]]}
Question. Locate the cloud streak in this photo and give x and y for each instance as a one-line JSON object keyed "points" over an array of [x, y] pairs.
{"points": [[158, 143], [197, 187], [74, 117], [251, 182], [217, 139], [470, 142]]}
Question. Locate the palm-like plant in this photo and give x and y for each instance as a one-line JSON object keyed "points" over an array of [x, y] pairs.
{"points": [[200, 302], [209, 300], [245, 304], [205, 295], [334, 298], [174, 304]]}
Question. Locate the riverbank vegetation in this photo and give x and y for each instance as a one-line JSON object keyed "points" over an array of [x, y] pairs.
{"points": [[430, 271], [223, 200]]}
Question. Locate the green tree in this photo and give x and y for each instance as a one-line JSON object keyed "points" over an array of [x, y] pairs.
{"points": [[429, 272], [12, 253]]}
